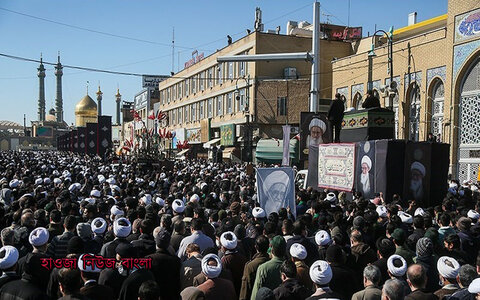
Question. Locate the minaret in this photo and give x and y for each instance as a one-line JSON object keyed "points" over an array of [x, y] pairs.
{"points": [[99, 101], [119, 99], [59, 99], [41, 91]]}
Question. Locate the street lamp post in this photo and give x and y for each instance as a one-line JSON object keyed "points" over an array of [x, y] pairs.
{"points": [[247, 132], [372, 54]]}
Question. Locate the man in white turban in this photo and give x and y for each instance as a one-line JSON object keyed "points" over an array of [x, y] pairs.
{"points": [[317, 129], [233, 260], [365, 182], [321, 274], [298, 252], [8, 264], [417, 172], [215, 287], [121, 229], [448, 268]]}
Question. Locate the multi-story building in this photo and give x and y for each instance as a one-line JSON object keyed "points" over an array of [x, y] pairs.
{"points": [[210, 103], [436, 68]]}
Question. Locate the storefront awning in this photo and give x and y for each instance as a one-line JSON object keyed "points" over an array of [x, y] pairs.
{"points": [[210, 143], [228, 152], [271, 151]]}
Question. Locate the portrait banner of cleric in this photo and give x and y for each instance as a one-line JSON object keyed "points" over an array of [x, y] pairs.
{"points": [[315, 130], [365, 169]]}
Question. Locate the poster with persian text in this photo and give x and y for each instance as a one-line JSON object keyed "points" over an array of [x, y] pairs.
{"points": [[336, 166]]}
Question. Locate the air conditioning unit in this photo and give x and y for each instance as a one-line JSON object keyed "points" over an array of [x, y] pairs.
{"points": [[290, 73]]}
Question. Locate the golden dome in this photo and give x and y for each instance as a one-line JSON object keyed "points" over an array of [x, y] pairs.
{"points": [[86, 106]]}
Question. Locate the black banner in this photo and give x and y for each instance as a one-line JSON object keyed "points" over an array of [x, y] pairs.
{"points": [[417, 173], [82, 138], [365, 167], [312, 131], [104, 135], [91, 138]]}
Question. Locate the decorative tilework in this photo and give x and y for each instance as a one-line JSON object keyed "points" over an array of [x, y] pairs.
{"points": [[417, 77], [460, 54], [439, 71], [357, 88]]}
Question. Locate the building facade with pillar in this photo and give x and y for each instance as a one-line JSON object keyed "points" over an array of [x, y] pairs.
{"points": [[207, 99], [437, 71]]}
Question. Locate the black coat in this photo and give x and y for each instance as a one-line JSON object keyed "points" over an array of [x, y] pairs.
{"points": [[145, 245], [343, 281], [312, 250], [7, 278], [130, 286], [291, 289], [112, 279], [169, 282], [371, 102], [21, 290], [108, 249], [421, 295], [95, 291], [335, 112]]}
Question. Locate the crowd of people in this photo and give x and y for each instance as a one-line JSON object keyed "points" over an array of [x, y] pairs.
{"points": [[201, 228]]}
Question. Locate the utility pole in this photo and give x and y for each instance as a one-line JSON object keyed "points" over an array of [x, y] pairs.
{"points": [[315, 80]]}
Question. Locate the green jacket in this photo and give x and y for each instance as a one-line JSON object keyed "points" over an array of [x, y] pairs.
{"points": [[268, 275], [249, 273], [404, 252]]}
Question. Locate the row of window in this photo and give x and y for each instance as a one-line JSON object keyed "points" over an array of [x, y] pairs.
{"points": [[206, 79], [213, 107]]}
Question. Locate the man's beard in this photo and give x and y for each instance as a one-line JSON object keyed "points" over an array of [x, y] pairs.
{"points": [[416, 186], [365, 180], [315, 141]]}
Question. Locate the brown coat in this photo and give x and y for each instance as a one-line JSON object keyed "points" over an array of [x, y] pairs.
{"points": [[218, 288], [303, 275], [249, 273]]}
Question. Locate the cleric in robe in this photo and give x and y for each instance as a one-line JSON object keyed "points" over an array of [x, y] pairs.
{"points": [[416, 188], [365, 178], [317, 129]]}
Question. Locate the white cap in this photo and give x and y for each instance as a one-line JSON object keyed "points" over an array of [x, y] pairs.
{"points": [[194, 198], [448, 267], [228, 240], [116, 211], [406, 218], [321, 272], [9, 258], [258, 212], [95, 193], [90, 267], [146, 199], [14, 183], [38, 237], [178, 206], [322, 238], [160, 201], [122, 227], [57, 181], [38, 181], [473, 214], [381, 211], [298, 251], [394, 270], [419, 212], [99, 225]]}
